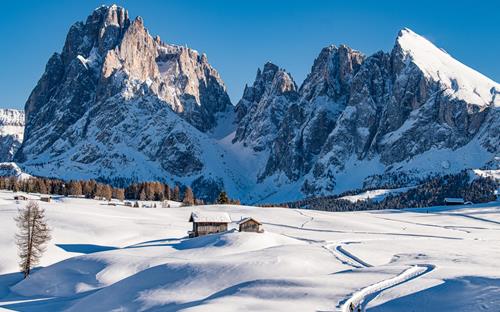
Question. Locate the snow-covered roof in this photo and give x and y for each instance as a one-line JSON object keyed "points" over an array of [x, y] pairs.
{"points": [[208, 216], [248, 219], [454, 200]]}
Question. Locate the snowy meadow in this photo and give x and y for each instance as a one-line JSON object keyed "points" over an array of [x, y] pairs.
{"points": [[104, 258]]}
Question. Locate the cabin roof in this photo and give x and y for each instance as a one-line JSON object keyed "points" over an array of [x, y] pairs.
{"points": [[453, 200], [249, 219], [209, 216]]}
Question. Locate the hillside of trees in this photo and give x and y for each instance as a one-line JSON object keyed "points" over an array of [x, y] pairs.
{"points": [[91, 189], [431, 192]]}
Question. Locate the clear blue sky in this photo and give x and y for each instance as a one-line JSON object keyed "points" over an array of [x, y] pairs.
{"points": [[239, 36]]}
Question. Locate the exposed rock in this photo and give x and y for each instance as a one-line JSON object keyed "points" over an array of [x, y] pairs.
{"points": [[263, 106], [11, 133]]}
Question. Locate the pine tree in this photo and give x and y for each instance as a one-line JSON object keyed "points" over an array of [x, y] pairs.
{"points": [[166, 192], [119, 194], [75, 188], [188, 197], [107, 192], [223, 199], [142, 195], [32, 237], [176, 194]]}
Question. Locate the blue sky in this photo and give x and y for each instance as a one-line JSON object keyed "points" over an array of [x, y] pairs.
{"points": [[240, 36]]}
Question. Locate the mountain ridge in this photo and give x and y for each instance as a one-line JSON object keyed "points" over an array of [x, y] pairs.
{"points": [[121, 105]]}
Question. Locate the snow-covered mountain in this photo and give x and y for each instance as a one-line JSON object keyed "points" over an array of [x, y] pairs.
{"points": [[11, 132], [121, 105]]}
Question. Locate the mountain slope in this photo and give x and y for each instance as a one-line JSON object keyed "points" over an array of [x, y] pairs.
{"points": [[11, 133]]}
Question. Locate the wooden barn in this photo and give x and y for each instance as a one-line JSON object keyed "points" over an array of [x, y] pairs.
{"points": [[20, 197], [46, 199], [208, 222], [453, 201], [250, 225]]}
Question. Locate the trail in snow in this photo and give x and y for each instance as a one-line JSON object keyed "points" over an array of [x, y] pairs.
{"points": [[346, 257], [361, 298], [303, 214]]}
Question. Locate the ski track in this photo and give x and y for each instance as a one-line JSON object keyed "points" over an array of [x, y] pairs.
{"points": [[345, 256], [361, 298], [304, 215]]}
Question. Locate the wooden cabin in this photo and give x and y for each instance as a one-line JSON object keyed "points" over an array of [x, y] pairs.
{"points": [[208, 223], [453, 201], [46, 199], [20, 197], [250, 225]]}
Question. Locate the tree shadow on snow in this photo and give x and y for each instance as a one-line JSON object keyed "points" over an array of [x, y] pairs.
{"points": [[84, 248]]}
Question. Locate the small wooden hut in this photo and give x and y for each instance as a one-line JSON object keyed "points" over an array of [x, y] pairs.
{"points": [[453, 201], [46, 199], [208, 222], [250, 225], [20, 197]]}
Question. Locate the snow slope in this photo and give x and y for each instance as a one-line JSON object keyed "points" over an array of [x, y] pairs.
{"points": [[105, 258], [460, 80]]}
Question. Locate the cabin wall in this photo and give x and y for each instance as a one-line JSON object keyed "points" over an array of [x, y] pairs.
{"points": [[250, 227], [208, 227]]}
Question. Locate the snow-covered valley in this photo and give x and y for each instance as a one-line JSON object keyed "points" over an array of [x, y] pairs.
{"points": [[104, 258]]}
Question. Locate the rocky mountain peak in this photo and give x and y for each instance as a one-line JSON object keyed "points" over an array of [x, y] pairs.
{"points": [[458, 80], [263, 106], [331, 73]]}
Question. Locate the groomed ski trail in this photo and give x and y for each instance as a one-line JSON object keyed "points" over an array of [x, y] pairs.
{"points": [[361, 298], [346, 257]]}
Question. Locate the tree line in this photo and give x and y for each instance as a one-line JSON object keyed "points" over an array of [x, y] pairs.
{"points": [[431, 192], [92, 189]]}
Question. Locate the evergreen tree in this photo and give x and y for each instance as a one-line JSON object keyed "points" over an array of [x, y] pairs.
{"points": [[188, 197], [176, 194], [75, 188], [222, 199]]}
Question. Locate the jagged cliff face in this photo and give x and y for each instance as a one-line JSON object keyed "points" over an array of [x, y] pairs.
{"points": [[261, 110], [311, 118], [120, 105], [387, 119], [11, 132], [112, 59]]}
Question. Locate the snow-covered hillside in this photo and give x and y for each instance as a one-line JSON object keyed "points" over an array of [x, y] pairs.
{"points": [[104, 258]]}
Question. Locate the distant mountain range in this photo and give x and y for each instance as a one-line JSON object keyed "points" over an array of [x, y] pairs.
{"points": [[120, 105]]}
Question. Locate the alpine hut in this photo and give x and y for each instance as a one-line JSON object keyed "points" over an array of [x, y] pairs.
{"points": [[208, 222], [453, 201], [250, 225]]}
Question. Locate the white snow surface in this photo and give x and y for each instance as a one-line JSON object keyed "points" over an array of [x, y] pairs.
{"points": [[375, 195], [118, 258], [12, 123], [462, 81]]}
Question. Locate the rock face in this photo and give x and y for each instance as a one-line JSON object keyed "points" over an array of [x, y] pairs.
{"points": [[119, 105], [386, 114], [110, 57], [11, 133], [261, 110], [389, 119]]}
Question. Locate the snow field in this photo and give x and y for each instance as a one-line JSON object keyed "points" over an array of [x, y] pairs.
{"points": [[105, 258]]}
